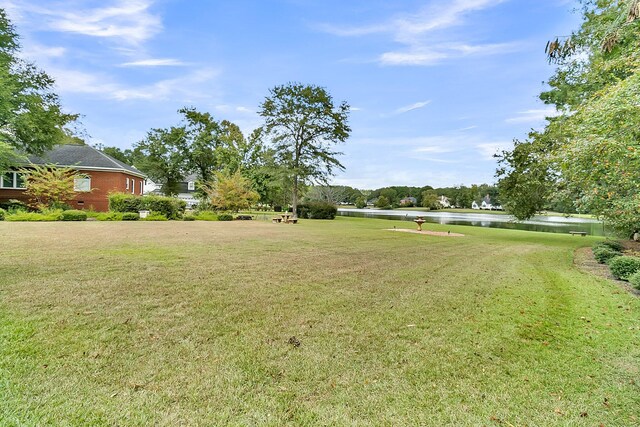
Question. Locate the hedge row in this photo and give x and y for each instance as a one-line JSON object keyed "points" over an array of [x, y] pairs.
{"points": [[317, 210], [621, 266], [169, 207]]}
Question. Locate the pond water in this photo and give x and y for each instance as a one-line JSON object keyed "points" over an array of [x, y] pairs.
{"points": [[549, 224]]}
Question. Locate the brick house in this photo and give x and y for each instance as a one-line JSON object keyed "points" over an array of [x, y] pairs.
{"points": [[101, 175]]}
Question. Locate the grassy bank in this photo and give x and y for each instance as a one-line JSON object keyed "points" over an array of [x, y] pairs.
{"points": [[321, 323]]}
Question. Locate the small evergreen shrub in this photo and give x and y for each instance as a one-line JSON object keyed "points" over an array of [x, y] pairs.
{"points": [[13, 205], [2, 214], [612, 244], [277, 208], [48, 215], [622, 267], [206, 216], [189, 217], [124, 202], [634, 280], [602, 254], [109, 216], [317, 210], [155, 217], [225, 217], [74, 215], [130, 216]]}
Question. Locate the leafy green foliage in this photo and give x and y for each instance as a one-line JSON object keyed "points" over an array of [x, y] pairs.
{"points": [[50, 186], [361, 203], [613, 244], [230, 192], [382, 203], [154, 216], [430, 199], [206, 216], [189, 217], [45, 215], [2, 214], [225, 217], [170, 207], [317, 210], [31, 118], [74, 215], [588, 156], [303, 124], [634, 280], [623, 267], [603, 254], [130, 216]]}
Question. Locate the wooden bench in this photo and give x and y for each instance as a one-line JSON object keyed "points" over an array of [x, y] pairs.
{"points": [[276, 220], [579, 233], [293, 221]]}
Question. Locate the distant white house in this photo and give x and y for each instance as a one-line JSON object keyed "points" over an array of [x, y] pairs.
{"points": [[486, 206], [186, 189], [474, 205], [444, 202]]}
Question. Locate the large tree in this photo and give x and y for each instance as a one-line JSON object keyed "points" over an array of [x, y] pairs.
{"points": [[31, 118], [304, 125], [588, 156]]}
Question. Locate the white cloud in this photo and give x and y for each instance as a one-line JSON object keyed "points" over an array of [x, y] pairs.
{"points": [[128, 21], [157, 62], [417, 33], [186, 86], [241, 109], [414, 106], [38, 51], [533, 116]]}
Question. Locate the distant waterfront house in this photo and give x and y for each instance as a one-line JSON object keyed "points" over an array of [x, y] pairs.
{"points": [[474, 205], [101, 175], [186, 189], [409, 201], [486, 206], [444, 202]]}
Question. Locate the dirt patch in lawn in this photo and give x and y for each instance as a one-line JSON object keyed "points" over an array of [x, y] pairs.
{"points": [[427, 232], [583, 259]]}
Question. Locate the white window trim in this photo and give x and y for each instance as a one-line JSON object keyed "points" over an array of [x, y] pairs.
{"points": [[76, 187], [191, 186], [127, 184], [141, 187], [14, 181], [133, 186]]}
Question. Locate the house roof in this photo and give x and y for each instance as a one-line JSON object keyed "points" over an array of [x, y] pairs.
{"points": [[83, 157]]}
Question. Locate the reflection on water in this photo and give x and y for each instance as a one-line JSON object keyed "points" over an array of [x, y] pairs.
{"points": [[549, 224]]}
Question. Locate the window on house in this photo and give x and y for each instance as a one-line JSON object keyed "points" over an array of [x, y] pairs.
{"points": [[141, 187], [133, 186], [191, 186], [82, 183], [127, 183], [13, 180]]}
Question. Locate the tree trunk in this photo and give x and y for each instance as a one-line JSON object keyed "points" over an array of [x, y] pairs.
{"points": [[294, 200]]}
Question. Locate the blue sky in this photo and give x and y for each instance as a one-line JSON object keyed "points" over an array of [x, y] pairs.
{"points": [[435, 87]]}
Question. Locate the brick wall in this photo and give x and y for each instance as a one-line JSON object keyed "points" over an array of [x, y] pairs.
{"points": [[102, 183]]}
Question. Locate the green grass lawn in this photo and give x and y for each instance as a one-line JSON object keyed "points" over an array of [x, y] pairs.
{"points": [[193, 323]]}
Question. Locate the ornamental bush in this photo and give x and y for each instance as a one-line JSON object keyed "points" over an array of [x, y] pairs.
{"points": [[634, 280], [612, 244], [155, 217], [225, 217], [602, 253], [622, 267], [206, 216], [170, 207], [130, 216], [317, 210], [2, 214], [74, 215]]}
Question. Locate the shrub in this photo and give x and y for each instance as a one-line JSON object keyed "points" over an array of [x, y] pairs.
{"points": [[225, 217], [612, 244], [170, 207], [47, 215], [155, 217], [317, 210], [634, 279], [74, 215], [130, 216], [603, 254], [124, 202], [277, 208], [109, 216], [206, 216], [13, 204], [2, 214], [189, 217], [622, 267], [361, 203]]}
